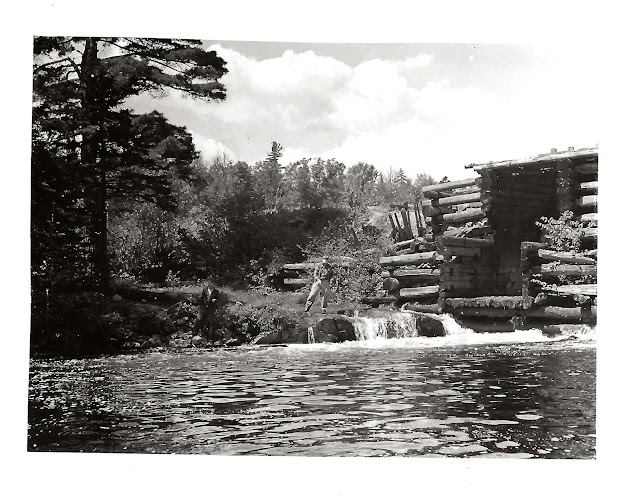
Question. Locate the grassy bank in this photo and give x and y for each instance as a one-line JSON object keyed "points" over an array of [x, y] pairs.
{"points": [[136, 317]]}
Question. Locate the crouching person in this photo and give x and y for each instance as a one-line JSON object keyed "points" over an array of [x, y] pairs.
{"points": [[210, 301]]}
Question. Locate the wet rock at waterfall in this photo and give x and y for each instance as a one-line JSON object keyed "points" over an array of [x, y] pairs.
{"points": [[268, 337], [345, 329], [429, 327]]}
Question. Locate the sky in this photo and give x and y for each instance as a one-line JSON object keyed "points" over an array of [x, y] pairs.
{"points": [[425, 108]]}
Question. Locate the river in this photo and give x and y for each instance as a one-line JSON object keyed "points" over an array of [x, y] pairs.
{"points": [[511, 395]]}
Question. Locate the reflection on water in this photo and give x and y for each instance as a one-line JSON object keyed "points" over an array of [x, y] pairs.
{"points": [[508, 395]]}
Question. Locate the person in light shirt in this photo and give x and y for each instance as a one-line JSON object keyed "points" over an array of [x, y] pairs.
{"points": [[321, 285]]}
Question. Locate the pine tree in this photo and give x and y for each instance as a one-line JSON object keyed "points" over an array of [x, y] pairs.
{"points": [[80, 85]]}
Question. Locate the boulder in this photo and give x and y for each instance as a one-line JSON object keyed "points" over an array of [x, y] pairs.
{"points": [[429, 326], [345, 329], [198, 341], [295, 335], [273, 337], [151, 343], [117, 297], [327, 325]]}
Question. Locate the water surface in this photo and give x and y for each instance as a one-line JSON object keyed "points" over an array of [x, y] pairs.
{"points": [[520, 395]]}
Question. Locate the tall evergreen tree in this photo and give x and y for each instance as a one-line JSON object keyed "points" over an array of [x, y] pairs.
{"points": [[80, 85]]}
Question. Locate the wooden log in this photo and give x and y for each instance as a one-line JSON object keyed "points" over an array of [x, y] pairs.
{"points": [[400, 229], [469, 232], [457, 199], [553, 313], [413, 273], [590, 217], [412, 259], [432, 195], [590, 234], [408, 231], [419, 292], [415, 307], [523, 194], [565, 270], [589, 186], [405, 251], [576, 289], [403, 244], [437, 188], [467, 242], [297, 282], [437, 211], [587, 168], [299, 266], [527, 185], [394, 229], [514, 210], [458, 285], [486, 302], [458, 251], [528, 246], [470, 215], [465, 206], [588, 201], [375, 301], [565, 257]]}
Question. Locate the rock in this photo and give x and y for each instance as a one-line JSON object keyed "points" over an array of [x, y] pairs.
{"points": [[295, 335], [117, 297], [232, 342], [345, 329], [327, 325], [274, 337], [198, 340], [322, 337], [429, 326], [151, 343]]}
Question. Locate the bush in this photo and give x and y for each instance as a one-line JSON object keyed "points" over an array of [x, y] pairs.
{"points": [[564, 233]]}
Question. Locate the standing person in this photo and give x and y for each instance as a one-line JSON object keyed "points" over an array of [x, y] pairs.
{"points": [[321, 284]]}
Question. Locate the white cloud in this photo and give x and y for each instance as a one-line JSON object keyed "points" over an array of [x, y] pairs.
{"points": [[392, 112], [209, 148]]}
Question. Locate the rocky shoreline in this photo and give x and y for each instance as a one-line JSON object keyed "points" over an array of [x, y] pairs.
{"points": [[91, 324]]}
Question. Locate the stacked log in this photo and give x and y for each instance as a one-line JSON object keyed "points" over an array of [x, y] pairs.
{"points": [[412, 277], [551, 269], [452, 205], [469, 267], [586, 192]]}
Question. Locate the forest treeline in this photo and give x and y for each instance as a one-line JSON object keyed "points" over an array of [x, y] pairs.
{"points": [[115, 193]]}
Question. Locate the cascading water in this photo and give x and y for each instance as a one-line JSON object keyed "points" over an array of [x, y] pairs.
{"points": [[311, 335], [403, 324], [395, 325]]}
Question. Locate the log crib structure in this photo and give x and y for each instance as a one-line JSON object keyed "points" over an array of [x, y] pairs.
{"points": [[478, 254], [495, 270]]}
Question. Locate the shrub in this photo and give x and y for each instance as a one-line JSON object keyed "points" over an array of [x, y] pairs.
{"points": [[564, 233]]}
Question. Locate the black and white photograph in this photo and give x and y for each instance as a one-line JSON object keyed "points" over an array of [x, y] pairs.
{"points": [[315, 251]]}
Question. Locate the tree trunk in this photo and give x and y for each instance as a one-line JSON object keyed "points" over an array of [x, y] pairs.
{"points": [[94, 169]]}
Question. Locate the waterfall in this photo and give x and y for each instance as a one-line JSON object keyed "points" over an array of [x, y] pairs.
{"points": [[311, 335], [451, 326], [395, 325]]}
